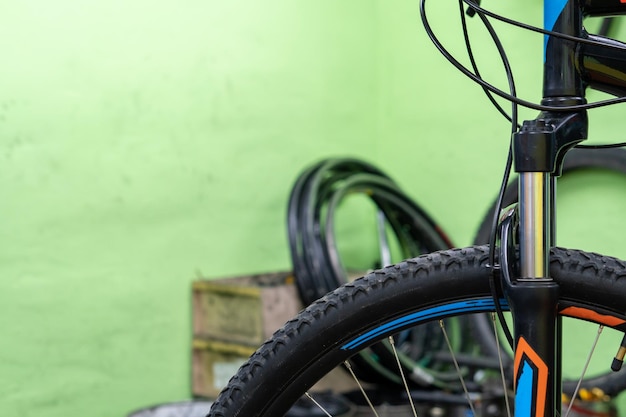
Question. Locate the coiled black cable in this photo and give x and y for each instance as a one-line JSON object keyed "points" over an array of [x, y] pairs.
{"points": [[314, 198]]}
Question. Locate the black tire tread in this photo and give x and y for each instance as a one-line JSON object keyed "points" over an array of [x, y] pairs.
{"points": [[583, 276]]}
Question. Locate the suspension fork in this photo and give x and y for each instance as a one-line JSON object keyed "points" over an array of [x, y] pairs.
{"points": [[538, 148]]}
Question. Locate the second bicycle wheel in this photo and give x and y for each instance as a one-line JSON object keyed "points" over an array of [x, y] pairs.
{"points": [[424, 289]]}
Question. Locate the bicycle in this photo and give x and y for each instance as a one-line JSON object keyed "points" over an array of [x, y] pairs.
{"points": [[518, 271]]}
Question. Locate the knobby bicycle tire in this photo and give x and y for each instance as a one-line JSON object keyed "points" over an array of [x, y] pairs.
{"points": [[384, 302]]}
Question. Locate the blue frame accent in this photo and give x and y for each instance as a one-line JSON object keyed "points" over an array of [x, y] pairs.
{"points": [[551, 11], [525, 389], [478, 305]]}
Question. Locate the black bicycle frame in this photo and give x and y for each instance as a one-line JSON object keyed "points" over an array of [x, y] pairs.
{"points": [[570, 67]]}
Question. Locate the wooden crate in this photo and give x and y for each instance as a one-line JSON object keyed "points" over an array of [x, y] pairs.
{"points": [[243, 310], [213, 363], [232, 317]]}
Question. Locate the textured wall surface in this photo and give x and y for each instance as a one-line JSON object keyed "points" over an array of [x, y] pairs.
{"points": [[144, 143]]}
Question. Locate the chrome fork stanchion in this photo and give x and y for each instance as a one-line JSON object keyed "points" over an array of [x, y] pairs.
{"points": [[535, 223]]}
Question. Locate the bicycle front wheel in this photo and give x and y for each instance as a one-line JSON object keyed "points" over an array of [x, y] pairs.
{"points": [[385, 302]]}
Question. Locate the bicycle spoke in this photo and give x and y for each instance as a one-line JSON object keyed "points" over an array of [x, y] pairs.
{"points": [[406, 386], [504, 387], [367, 399], [385, 252], [456, 365], [582, 376], [317, 404]]}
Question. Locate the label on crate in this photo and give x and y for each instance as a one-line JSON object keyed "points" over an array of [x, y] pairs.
{"points": [[223, 371]]}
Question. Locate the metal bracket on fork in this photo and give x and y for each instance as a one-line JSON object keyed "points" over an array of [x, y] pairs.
{"points": [[541, 144]]}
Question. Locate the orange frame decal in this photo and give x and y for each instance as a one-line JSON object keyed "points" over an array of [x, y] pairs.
{"points": [[525, 353], [586, 314]]}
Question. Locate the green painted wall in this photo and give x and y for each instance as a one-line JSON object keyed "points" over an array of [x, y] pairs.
{"points": [[143, 144]]}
